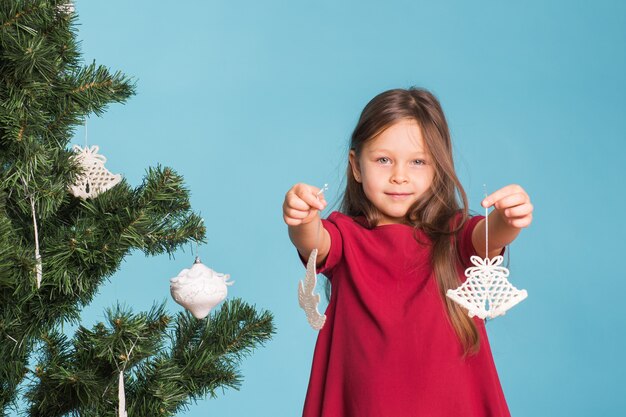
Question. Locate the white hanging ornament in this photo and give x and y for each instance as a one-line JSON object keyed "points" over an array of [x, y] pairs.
{"points": [[199, 289], [307, 299], [121, 396], [486, 292], [38, 267], [66, 8], [38, 262], [95, 178]]}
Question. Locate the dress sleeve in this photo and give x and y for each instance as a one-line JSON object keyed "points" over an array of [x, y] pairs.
{"points": [[336, 248]]}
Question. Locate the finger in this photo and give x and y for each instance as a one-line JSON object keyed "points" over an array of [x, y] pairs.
{"points": [[312, 215], [511, 200], [296, 214], [301, 189], [521, 222], [298, 219], [499, 194], [292, 222], [519, 211], [295, 202], [310, 197]]}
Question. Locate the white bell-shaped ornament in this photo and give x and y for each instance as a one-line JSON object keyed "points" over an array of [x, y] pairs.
{"points": [[199, 289], [66, 8], [95, 178], [486, 292]]}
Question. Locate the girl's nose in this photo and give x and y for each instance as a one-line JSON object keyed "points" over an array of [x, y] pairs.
{"points": [[399, 177]]}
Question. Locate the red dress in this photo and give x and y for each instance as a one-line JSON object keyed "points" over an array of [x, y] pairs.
{"points": [[387, 348]]}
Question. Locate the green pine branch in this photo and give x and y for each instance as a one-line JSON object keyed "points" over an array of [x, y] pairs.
{"points": [[85, 246], [45, 93], [166, 367]]}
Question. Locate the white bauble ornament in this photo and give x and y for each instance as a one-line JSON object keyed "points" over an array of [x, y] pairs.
{"points": [[199, 289], [96, 178], [486, 292], [307, 299]]}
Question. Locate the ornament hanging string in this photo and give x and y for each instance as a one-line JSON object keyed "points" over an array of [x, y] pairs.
{"points": [[196, 240], [486, 226], [196, 255], [319, 225], [486, 233]]}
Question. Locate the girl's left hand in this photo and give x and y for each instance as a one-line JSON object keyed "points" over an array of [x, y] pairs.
{"points": [[513, 204]]}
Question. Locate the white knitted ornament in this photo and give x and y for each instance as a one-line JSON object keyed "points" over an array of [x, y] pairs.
{"points": [[95, 178], [66, 8], [486, 292], [199, 289], [306, 298]]}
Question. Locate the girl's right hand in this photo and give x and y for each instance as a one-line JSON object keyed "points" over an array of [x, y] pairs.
{"points": [[302, 202]]}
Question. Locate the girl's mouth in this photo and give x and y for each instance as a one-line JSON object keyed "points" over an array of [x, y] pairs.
{"points": [[399, 196]]}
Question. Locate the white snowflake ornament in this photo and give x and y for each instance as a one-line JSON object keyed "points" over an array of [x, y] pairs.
{"points": [[95, 178], [199, 289], [307, 299], [486, 292]]}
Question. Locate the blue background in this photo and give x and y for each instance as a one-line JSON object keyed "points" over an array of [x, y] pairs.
{"points": [[246, 98]]}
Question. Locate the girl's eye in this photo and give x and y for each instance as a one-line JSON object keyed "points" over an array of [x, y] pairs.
{"points": [[383, 160], [419, 162]]}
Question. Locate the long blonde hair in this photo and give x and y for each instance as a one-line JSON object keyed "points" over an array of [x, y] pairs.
{"points": [[438, 212]]}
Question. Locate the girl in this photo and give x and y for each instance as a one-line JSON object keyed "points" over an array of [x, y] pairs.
{"points": [[393, 344]]}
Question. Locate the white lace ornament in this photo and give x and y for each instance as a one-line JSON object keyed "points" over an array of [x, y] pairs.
{"points": [[486, 292], [199, 289], [95, 178], [66, 8], [306, 298]]}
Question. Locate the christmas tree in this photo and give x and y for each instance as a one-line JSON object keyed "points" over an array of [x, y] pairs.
{"points": [[56, 249]]}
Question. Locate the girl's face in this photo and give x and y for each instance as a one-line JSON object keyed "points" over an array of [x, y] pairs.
{"points": [[394, 169]]}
